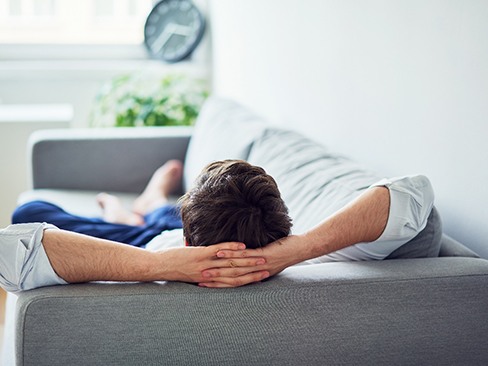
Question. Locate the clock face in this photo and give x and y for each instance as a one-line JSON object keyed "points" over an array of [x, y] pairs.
{"points": [[173, 29]]}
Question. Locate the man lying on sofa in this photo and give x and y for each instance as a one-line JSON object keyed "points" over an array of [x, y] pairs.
{"points": [[383, 218]]}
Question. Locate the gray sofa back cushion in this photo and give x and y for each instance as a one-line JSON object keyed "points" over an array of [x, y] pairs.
{"points": [[315, 183]]}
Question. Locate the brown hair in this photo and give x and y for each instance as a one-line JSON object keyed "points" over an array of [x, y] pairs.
{"points": [[234, 201]]}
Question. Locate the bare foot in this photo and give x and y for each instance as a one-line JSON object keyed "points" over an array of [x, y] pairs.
{"points": [[115, 212], [164, 181]]}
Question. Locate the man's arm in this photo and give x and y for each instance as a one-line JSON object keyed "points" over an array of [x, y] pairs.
{"points": [[37, 254], [81, 258]]}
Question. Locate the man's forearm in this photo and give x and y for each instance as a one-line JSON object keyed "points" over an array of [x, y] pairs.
{"points": [[82, 258]]}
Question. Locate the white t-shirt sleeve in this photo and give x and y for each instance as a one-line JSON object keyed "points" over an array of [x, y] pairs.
{"points": [[24, 264], [411, 201]]}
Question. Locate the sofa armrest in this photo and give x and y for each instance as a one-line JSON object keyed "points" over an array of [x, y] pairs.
{"points": [[112, 159], [453, 248], [406, 311]]}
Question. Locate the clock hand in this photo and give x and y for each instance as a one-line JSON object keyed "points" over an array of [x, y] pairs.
{"points": [[182, 30], [163, 38]]}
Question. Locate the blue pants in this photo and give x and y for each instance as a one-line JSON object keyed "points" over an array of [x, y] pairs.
{"points": [[163, 218]]}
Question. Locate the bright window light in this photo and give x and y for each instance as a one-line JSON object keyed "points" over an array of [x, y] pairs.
{"points": [[78, 22]]}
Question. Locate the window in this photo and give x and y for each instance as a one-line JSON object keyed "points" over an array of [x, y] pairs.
{"points": [[74, 22]]}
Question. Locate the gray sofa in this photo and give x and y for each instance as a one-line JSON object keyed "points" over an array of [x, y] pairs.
{"points": [[403, 311]]}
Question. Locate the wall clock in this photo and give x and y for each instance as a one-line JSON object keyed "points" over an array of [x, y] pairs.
{"points": [[173, 29]]}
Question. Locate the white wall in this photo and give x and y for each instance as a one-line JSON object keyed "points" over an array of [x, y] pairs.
{"points": [[399, 85], [15, 178]]}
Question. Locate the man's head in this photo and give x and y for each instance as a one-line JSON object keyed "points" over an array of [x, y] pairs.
{"points": [[234, 201]]}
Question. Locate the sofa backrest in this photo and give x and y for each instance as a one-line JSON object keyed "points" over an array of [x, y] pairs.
{"points": [[313, 181]]}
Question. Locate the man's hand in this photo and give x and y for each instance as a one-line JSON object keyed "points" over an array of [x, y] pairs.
{"points": [[278, 255], [191, 263]]}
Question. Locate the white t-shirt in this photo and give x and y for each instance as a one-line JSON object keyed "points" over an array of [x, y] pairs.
{"points": [[24, 264]]}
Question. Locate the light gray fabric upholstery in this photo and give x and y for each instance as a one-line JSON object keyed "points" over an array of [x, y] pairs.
{"points": [[313, 181], [78, 202], [426, 244], [387, 313], [120, 160], [453, 248]]}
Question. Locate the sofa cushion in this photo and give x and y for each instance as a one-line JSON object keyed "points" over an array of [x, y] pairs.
{"points": [[315, 183], [78, 202], [224, 130]]}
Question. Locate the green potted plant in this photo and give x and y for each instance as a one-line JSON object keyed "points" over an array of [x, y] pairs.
{"points": [[136, 100]]}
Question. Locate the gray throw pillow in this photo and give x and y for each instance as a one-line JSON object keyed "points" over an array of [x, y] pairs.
{"points": [[426, 244]]}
